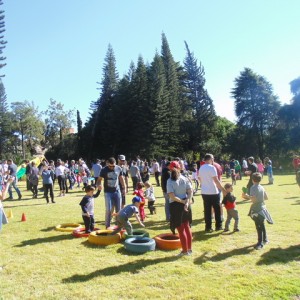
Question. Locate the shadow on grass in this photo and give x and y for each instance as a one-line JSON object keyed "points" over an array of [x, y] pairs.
{"points": [[49, 239], [297, 203], [222, 256], [291, 198], [13, 206], [280, 255], [286, 184], [131, 267], [48, 229]]}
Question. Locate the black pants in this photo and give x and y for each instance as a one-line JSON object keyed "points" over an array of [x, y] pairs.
{"points": [[260, 228], [62, 182], [210, 201], [156, 174], [49, 189], [134, 182], [34, 190], [89, 223], [151, 206]]}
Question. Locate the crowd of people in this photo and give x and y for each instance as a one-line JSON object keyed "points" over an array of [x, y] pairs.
{"points": [[178, 180]]}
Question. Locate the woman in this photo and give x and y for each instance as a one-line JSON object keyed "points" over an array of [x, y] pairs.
{"points": [[60, 171], [145, 173], [179, 190]]}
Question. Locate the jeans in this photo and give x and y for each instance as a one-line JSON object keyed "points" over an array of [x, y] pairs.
{"points": [[167, 206], [112, 200], [14, 185]]}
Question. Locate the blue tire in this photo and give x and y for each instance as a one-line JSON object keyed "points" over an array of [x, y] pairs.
{"points": [[139, 244]]}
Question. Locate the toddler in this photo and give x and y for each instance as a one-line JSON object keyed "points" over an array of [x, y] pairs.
{"points": [[87, 205], [149, 194], [140, 193], [229, 203]]}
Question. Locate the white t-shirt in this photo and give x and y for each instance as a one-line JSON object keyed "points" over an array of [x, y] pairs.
{"points": [[206, 174]]}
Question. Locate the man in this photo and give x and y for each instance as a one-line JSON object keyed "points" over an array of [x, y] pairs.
{"points": [[28, 172], [96, 169], [210, 187], [252, 168], [244, 165], [134, 172], [111, 175], [122, 164], [165, 175], [156, 171], [12, 171]]}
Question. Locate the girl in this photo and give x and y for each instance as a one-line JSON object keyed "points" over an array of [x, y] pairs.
{"points": [[149, 194], [140, 193]]}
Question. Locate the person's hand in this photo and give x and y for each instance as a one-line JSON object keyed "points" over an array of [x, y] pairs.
{"points": [[10, 179], [186, 206]]}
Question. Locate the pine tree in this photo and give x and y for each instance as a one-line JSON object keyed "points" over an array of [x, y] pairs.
{"points": [[5, 120], [2, 42]]}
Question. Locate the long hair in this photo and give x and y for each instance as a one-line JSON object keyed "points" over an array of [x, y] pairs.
{"points": [[175, 174]]}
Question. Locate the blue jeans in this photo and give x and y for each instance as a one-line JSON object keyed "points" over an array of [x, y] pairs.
{"points": [[112, 200], [14, 185], [167, 206]]}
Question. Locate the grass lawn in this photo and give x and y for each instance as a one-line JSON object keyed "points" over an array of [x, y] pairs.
{"points": [[38, 262]]}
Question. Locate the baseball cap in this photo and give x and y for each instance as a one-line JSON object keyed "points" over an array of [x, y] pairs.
{"points": [[174, 165], [121, 157], [136, 199]]}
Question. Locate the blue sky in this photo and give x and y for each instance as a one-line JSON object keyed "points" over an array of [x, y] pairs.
{"points": [[56, 48]]}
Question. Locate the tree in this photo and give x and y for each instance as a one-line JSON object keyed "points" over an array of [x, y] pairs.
{"points": [[58, 122], [5, 121], [27, 124], [203, 112], [2, 42], [255, 106]]}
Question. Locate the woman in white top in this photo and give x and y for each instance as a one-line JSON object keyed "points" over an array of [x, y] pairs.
{"points": [[60, 172]]}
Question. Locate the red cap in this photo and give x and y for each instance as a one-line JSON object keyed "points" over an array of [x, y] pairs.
{"points": [[174, 165]]}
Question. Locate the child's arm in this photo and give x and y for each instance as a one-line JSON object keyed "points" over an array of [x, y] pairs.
{"points": [[139, 220], [265, 196], [3, 195], [98, 193]]}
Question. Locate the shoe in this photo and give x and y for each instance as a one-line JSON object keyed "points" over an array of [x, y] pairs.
{"points": [[209, 230], [265, 242], [183, 254], [219, 228], [10, 198], [190, 252], [20, 197], [258, 246], [53, 201], [225, 230], [236, 230]]}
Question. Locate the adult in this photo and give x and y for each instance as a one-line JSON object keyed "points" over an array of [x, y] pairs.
{"points": [[165, 175], [244, 165], [210, 189], [145, 172], [134, 172], [252, 168], [156, 171], [34, 179], [179, 190], [123, 165], [111, 175], [96, 169], [47, 176], [219, 174], [27, 173], [12, 172], [3, 218], [60, 173]]}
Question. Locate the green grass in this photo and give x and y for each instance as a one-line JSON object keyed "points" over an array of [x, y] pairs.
{"points": [[38, 262]]}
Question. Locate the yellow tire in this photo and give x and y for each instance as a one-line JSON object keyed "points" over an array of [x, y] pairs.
{"points": [[103, 238], [68, 227]]}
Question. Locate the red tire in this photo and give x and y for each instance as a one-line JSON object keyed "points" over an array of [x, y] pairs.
{"points": [[114, 227], [168, 241], [80, 232]]}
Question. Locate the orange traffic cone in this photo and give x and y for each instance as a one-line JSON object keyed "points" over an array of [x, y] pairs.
{"points": [[23, 218]]}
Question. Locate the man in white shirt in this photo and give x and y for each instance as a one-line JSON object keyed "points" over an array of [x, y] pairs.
{"points": [[210, 186], [156, 171]]}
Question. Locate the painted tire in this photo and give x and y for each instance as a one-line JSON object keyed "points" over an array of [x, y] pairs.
{"points": [[80, 232], [168, 241], [139, 244], [102, 237], [135, 233], [68, 227]]}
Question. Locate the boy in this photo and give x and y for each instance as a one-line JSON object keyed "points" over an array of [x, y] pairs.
{"points": [[229, 203], [87, 206], [258, 211], [125, 213]]}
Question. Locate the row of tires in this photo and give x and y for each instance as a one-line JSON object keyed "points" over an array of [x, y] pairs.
{"points": [[138, 242]]}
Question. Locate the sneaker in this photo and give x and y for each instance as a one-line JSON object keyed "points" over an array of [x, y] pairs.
{"points": [[20, 197], [219, 228], [209, 230], [225, 230], [183, 254], [236, 230], [190, 252], [258, 246], [265, 242]]}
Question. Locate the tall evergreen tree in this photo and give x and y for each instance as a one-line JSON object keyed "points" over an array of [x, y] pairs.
{"points": [[203, 112], [172, 86], [255, 106], [2, 42], [5, 121], [102, 135]]}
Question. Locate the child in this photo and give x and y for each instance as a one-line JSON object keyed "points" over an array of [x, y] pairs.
{"points": [[3, 192], [87, 206], [270, 172], [233, 176], [47, 176], [149, 194], [125, 213], [229, 203], [258, 211], [298, 177], [140, 193], [85, 180]]}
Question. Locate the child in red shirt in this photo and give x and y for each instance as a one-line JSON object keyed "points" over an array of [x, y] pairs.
{"points": [[229, 203], [140, 193]]}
